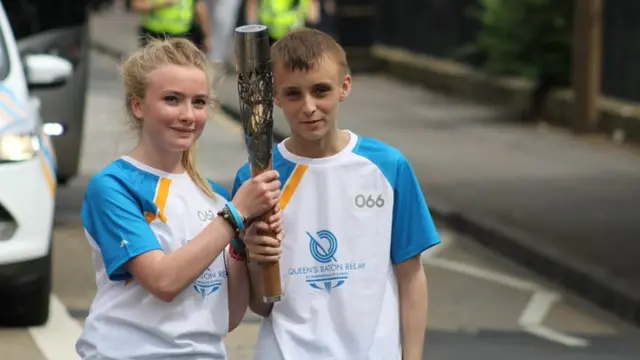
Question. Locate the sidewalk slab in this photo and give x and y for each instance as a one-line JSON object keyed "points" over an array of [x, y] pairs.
{"points": [[565, 207]]}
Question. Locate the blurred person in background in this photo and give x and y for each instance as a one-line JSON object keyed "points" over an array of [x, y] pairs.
{"points": [[283, 16], [224, 16], [325, 21], [161, 19]]}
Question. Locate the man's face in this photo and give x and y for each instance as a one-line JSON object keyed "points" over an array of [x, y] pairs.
{"points": [[309, 99]]}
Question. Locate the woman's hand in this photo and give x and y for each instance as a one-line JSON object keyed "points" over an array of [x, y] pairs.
{"points": [[258, 195], [261, 245]]}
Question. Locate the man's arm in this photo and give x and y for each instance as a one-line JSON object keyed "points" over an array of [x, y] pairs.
{"points": [[412, 289], [413, 232], [238, 291]]}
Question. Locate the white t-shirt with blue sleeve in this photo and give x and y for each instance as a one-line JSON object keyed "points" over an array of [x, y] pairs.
{"points": [[348, 220], [130, 209]]}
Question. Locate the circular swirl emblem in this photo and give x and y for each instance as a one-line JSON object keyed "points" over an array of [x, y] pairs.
{"points": [[324, 248]]}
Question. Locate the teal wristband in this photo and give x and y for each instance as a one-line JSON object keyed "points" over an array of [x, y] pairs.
{"points": [[237, 217]]}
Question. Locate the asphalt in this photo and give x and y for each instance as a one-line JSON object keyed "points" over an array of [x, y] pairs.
{"points": [[563, 206]]}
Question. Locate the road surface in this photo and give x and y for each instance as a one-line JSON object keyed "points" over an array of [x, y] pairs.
{"points": [[481, 305]]}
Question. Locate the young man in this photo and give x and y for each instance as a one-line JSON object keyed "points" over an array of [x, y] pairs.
{"points": [[355, 223]]}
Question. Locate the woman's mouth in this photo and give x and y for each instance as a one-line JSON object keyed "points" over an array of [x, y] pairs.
{"points": [[183, 131]]}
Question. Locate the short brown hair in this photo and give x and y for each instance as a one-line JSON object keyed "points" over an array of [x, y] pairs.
{"points": [[303, 49]]}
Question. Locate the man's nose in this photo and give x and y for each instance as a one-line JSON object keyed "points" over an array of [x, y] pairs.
{"points": [[309, 106]]}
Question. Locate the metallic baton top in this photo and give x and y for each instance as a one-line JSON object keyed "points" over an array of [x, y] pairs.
{"points": [[255, 92], [252, 46]]}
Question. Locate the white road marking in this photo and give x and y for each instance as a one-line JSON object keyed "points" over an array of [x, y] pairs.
{"points": [[534, 314], [536, 311], [484, 274], [56, 339]]}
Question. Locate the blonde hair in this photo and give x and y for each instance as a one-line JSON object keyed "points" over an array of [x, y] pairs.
{"points": [[157, 53]]}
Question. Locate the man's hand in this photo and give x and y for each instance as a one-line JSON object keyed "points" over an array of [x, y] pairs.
{"points": [[261, 245]]}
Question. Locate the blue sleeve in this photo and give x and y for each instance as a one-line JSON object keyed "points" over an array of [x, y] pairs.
{"points": [[220, 190], [243, 174], [115, 222], [413, 230]]}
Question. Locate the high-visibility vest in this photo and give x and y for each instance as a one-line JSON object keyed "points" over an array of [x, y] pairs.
{"points": [[282, 16], [173, 19]]}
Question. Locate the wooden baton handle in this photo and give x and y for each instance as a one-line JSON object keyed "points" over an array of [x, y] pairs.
{"points": [[271, 284]]}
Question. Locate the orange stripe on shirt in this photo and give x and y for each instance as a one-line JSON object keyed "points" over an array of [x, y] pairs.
{"points": [[292, 185], [160, 201]]}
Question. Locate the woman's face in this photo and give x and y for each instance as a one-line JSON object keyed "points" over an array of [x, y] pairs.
{"points": [[175, 107]]}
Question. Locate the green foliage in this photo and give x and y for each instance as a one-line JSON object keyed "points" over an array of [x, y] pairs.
{"points": [[530, 38]]}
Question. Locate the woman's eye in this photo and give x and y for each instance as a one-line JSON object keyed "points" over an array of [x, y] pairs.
{"points": [[200, 103]]}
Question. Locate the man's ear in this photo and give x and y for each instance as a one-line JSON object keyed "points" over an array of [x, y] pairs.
{"points": [[345, 90], [136, 107]]}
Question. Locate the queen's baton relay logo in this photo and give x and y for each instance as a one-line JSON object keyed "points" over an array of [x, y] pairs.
{"points": [[330, 273], [209, 282]]}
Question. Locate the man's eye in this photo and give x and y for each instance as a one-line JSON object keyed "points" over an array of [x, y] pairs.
{"points": [[322, 89]]}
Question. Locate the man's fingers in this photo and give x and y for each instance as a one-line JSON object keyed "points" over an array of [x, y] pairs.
{"points": [[261, 240], [258, 226], [262, 251], [264, 259]]}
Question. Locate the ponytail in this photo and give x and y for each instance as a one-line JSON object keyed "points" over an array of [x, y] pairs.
{"points": [[189, 164]]}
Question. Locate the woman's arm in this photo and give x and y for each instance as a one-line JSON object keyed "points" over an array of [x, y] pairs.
{"points": [[113, 218], [166, 275]]}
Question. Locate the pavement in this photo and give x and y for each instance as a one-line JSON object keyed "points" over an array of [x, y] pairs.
{"points": [[482, 305], [563, 206]]}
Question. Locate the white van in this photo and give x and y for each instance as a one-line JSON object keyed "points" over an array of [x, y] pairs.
{"points": [[27, 181]]}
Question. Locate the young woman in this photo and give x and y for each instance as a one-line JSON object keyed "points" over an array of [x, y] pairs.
{"points": [[167, 286], [355, 223]]}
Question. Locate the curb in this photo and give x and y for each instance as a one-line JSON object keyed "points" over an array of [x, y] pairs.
{"points": [[616, 116], [580, 278]]}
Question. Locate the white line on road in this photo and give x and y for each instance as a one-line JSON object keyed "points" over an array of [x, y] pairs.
{"points": [[536, 310], [484, 274], [56, 339], [534, 314]]}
